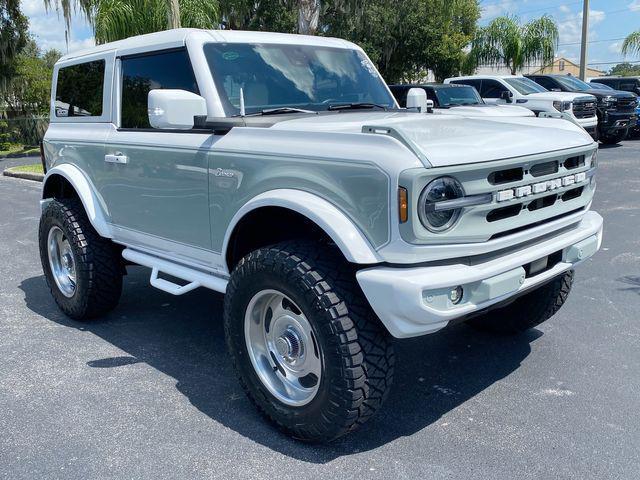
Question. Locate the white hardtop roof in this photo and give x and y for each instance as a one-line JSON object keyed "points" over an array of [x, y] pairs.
{"points": [[179, 36]]}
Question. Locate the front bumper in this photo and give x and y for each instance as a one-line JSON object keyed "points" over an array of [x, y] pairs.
{"points": [[588, 122], [415, 300], [611, 122]]}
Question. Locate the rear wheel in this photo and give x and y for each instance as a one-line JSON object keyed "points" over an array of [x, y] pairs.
{"points": [[527, 311], [83, 270], [308, 350]]}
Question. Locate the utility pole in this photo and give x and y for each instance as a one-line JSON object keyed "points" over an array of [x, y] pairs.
{"points": [[583, 46]]}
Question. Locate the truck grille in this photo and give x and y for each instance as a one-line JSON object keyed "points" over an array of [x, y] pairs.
{"points": [[626, 105], [584, 109], [526, 192]]}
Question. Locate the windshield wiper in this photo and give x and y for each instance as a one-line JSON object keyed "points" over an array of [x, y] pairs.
{"points": [[356, 106], [280, 111]]}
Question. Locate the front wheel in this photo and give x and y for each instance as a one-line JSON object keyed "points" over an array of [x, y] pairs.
{"points": [[83, 270], [306, 346], [614, 138], [528, 311]]}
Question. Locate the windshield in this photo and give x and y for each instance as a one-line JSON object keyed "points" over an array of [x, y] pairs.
{"points": [[573, 83], [299, 76], [449, 97], [525, 86]]}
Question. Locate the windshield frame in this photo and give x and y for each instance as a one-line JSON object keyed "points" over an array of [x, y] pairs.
{"points": [[517, 82], [363, 69]]}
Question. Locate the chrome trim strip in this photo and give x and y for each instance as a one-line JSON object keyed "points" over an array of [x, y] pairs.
{"points": [[470, 201]]}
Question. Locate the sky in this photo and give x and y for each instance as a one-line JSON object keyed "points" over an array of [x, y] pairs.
{"points": [[610, 21]]}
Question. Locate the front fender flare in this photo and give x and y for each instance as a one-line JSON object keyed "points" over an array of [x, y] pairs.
{"points": [[344, 233], [92, 202]]}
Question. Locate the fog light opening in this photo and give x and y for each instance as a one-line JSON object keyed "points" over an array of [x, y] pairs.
{"points": [[455, 295]]}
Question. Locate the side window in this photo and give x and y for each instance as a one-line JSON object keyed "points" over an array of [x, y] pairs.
{"points": [[627, 86], [491, 89], [401, 95], [431, 95], [79, 90], [141, 73]]}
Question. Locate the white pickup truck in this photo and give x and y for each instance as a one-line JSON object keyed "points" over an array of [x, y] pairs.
{"points": [[520, 91]]}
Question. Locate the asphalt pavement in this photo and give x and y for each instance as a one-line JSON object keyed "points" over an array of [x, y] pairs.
{"points": [[148, 392]]}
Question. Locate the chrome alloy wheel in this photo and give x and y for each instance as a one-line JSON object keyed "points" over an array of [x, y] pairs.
{"points": [[62, 261], [282, 347]]}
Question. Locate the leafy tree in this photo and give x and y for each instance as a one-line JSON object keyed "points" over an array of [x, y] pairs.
{"points": [[405, 38], [13, 37], [118, 19], [631, 44], [261, 15], [28, 90], [625, 69], [506, 42]]}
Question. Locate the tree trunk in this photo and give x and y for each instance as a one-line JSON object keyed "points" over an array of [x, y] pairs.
{"points": [[308, 16], [173, 13]]}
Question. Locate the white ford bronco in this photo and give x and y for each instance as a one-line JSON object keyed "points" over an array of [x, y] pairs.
{"points": [[279, 170]]}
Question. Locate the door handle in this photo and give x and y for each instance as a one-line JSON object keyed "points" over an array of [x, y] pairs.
{"points": [[116, 158]]}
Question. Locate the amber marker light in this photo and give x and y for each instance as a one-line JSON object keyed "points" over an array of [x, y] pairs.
{"points": [[403, 206]]}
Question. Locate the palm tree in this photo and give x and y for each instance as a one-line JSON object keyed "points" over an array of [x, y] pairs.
{"points": [[91, 7], [117, 19], [506, 42], [631, 44], [308, 16]]}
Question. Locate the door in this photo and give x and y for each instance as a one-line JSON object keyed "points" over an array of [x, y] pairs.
{"points": [[157, 187], [491, 91]]}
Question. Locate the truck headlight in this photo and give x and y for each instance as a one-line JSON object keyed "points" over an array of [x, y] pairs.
{"points": [[439, 190], [607, 101], [561, 106]]}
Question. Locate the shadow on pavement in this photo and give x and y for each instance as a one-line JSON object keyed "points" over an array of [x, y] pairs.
{"points": [[183, 337]]}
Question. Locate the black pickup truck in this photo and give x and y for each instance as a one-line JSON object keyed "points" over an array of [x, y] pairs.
{"points": [[616, 109]]}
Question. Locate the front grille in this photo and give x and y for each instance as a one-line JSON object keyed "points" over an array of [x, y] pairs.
{"points": [[626, 105], [526, 192], [582, 109]]}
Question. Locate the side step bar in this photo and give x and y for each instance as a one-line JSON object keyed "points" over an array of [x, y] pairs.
{"points": [[196, 278]]}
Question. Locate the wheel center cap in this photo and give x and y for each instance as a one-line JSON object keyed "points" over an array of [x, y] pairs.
{"points": [[289, 345], [67, 261]]}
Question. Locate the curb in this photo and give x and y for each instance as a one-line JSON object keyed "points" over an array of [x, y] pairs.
{"points": [[36, 177]]}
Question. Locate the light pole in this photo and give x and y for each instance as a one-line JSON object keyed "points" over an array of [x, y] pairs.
{"points": [[583, 46]]}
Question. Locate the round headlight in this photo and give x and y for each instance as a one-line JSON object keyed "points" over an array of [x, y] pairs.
{"points": [[439, 190]]}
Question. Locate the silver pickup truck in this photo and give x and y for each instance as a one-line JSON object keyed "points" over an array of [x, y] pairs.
{"points": [[279, 170]]}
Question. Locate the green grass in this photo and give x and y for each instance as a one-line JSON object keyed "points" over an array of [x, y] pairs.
{"points": [[20, 149], [35, 168]]}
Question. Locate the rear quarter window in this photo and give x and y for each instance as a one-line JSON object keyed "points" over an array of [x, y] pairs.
{"points": [[79, 90]]}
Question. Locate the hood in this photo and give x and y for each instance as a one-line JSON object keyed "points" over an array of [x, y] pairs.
{"points": [[563, 96], [443, 140], [487, 110], [610, 93]]}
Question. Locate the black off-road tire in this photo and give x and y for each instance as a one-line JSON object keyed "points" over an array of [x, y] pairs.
{"points": [[98, 261], [358, 357], [529, 310], [614, 138]]}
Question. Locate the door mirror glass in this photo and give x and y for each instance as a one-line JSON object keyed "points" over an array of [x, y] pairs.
{"points": [[174, 109]]}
